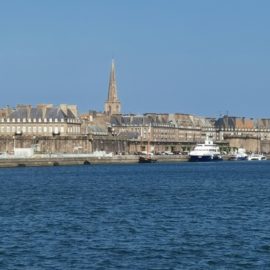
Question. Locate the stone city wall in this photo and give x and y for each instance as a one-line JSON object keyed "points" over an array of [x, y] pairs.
{"points": [[250, 144], [43, 144]]}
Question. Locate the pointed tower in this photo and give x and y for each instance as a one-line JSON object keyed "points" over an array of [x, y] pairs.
{"points": [[112, 105]]}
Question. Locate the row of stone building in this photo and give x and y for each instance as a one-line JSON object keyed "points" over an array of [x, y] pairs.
{"points": [[44, 119], [166, 132]]}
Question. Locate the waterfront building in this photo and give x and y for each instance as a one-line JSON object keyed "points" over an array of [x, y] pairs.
{"points": [[251, 134], [43, 120], [112, 104], [166, 132]]}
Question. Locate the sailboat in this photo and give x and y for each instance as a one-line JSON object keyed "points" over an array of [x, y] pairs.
{"points": [[148, 158]]}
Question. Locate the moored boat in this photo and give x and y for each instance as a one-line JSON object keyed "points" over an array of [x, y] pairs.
{"points": [[208, 151], [240, 154], [256, 157], [147, 159]]}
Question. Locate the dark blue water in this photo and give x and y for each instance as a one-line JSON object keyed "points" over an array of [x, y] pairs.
{"points": [[145, 216]]}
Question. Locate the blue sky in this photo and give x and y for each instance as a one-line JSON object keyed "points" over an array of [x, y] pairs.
{"points": [[201, 57]]}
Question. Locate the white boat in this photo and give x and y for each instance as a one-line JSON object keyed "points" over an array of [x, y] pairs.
{"points": [[256, 157], [240, 154], [208, 151]]}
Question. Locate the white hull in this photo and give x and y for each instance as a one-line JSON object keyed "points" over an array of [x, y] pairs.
{"points": [[205, 152], [256, 157]]}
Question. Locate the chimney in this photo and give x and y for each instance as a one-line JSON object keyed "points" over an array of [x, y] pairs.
{"points": [[73, 109], [64, 108], [43, 108]]}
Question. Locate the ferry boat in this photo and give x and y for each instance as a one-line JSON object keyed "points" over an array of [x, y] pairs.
{"points": [[208, 151]]}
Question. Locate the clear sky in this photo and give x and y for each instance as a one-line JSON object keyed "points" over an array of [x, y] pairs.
{"points": [[204, 57]]}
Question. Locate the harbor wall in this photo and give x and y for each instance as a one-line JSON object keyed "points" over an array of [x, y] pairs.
{"points": [[44, 144], [77, 160], [250, 144]]}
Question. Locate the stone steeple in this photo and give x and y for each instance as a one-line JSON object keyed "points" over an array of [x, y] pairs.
{"points": [[112, 105]]}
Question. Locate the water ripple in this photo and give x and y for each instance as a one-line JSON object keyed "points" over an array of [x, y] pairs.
{"points": [[162, 216]]}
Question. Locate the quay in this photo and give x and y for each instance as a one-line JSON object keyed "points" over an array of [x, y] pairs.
{"points": [[65, 160], [73, 160]]}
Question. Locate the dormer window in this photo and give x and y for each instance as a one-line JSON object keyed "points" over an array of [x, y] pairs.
{"points": [[29, 120], [13, 119], [39, 119], [45, 119], [8, 119], [56, 120], [50, 120], [18, 120], [62, 120], [34, 120], [24, 120]]}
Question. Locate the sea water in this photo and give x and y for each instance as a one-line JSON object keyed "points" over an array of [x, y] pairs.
{"points": [[141, 216]]}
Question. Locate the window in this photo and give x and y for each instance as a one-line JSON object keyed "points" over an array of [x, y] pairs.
{"points": [[39, 129], [62, 129], [34, 129], [55, 120], [45, 129]]}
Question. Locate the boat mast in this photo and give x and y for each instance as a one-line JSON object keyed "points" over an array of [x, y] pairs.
{"points": [[148, 140]]}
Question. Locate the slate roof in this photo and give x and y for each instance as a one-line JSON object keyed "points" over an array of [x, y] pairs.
{"points": [[97, 129], [50, 112], [161, 119], [137, 120], [129, 135], [231, 122]]}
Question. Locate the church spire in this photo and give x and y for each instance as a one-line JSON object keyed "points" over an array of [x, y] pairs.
{"points": [[112, 92], [112, 105]]}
